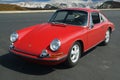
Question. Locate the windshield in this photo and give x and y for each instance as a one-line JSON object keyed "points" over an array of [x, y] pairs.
{"points": [[72, 17]]}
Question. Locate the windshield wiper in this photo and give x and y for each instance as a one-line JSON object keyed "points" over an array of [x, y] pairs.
{"points": [[58, 23]]}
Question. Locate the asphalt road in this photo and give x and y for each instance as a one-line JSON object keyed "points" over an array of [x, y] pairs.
{"points": [[100, 63]]}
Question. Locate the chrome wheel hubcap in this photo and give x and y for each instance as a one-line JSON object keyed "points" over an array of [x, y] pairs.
{"points": [[75, 53], [107, 37]]}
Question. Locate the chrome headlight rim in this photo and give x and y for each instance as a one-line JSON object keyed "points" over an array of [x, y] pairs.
{"points": [[13, 37], [55, 44]]}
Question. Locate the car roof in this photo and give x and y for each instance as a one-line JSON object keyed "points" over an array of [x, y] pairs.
{"points": [[82, 9]]}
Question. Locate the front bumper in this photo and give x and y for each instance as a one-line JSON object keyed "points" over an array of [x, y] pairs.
{"points": [[51, 60]]}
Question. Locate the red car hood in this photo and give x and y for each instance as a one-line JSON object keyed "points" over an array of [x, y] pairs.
{"points": [[40, 37]]}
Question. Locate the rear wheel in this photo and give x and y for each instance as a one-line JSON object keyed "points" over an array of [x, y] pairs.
{"points": [[107, 37], [74, 55]]}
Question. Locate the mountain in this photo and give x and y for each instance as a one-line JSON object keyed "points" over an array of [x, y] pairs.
{"points": [[43, 0], [110, 4], [9, 7]]}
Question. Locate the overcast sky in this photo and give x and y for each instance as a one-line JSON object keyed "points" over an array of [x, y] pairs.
{"points": [[24, 0]]}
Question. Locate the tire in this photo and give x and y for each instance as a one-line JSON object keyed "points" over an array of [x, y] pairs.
{"points": [[74, 55], [107, 37]]}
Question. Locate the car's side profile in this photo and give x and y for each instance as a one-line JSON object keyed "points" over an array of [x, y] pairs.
{"points": [[68, 34]]}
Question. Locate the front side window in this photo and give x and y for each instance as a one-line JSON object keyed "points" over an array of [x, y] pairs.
{"points": [[70, 17], [95, 18]]}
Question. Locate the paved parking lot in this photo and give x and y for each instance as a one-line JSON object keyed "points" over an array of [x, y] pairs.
{"points": [[100, 63]]}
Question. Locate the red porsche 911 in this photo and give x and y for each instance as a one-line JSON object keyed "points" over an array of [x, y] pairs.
{"points": [[69, 33]]}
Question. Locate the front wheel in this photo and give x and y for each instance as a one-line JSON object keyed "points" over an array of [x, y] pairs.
{"points": [[74, 55], [107, 37]]}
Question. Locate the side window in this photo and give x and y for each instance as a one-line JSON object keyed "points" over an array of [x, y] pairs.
{"points": [[102, 18], [95, 18]]}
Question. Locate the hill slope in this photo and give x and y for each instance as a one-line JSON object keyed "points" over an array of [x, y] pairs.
{"points": [[110, 4], [9, 7]]}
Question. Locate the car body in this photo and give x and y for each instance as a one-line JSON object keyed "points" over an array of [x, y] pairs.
{"points": [[69, 33]]}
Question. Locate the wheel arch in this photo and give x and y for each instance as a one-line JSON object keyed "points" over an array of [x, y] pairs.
{"points": [[82, 44], [110, 28]]}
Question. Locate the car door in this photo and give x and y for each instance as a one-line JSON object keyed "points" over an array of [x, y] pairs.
{"points": [[103, 25], [94, 31]]}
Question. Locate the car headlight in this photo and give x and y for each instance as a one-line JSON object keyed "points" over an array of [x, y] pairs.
{"points": [[55, 45], [13, 37]]}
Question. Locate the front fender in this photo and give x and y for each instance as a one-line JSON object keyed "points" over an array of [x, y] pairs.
{"points": [[69, 41]]}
